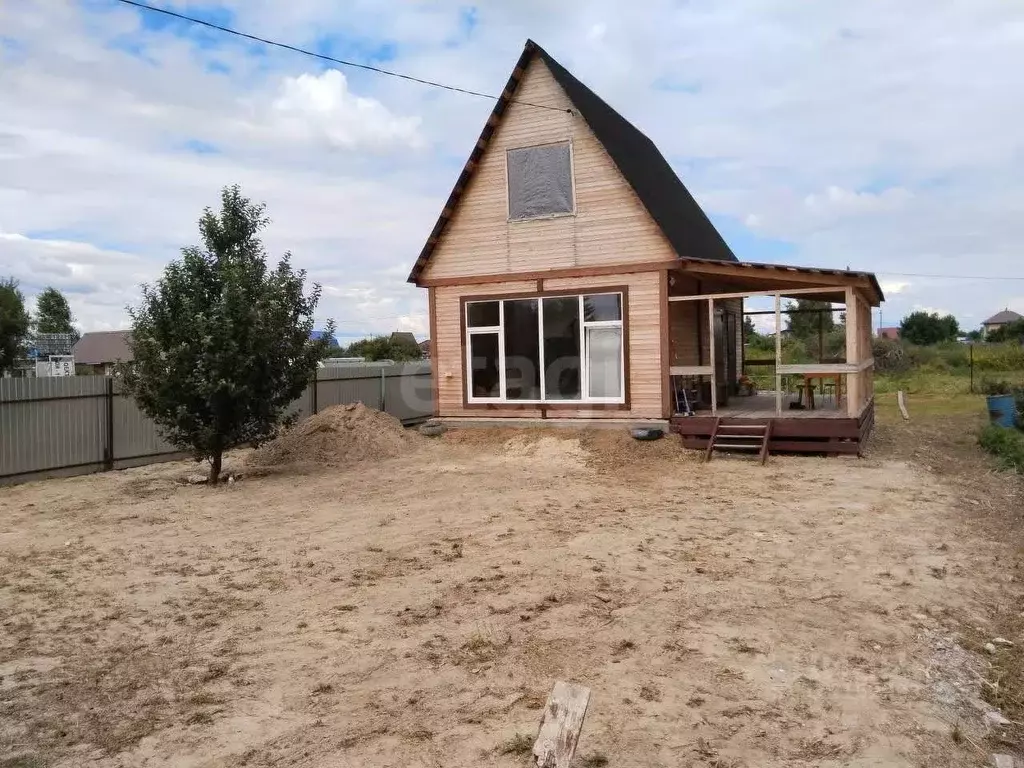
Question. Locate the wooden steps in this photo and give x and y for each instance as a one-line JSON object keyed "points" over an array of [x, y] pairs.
{"points": [[739, 436]]}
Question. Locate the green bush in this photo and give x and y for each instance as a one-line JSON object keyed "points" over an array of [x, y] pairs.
{"points": [[995, 387], [1007, 445], [890, 356]]}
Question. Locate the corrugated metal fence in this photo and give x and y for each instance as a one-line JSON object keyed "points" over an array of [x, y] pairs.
{"points": [[81, 424]]}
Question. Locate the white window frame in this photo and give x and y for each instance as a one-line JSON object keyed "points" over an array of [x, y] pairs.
{"points": [[572, 182], [585, 398]]}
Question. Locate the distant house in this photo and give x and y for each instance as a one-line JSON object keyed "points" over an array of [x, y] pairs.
{"points": [[405, 338], [42, 345], [317, 335], [425, 349], [102, 349], [892, 332], [999, 319]]}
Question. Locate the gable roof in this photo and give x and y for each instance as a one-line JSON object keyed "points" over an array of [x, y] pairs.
{"points": [[1001, 318], [102, 347], [667, 200], [404, 337]]}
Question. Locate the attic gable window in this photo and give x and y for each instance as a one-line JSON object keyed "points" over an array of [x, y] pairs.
{"points": [[540, 181]]}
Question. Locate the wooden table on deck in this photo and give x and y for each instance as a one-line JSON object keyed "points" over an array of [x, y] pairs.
{"points": [[808, 387]]}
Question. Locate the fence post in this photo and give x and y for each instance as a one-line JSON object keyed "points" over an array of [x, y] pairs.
{"points": [[314, 394], [972, 368], [108, 449], [383, 387]]}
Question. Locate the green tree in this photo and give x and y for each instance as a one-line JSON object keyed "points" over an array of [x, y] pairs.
{"points": [[221, 343], [1010, 332], [53, 313], [384, 348], [14, 323], [975, 335], [926, 328], [805, 322], [749, 331]]}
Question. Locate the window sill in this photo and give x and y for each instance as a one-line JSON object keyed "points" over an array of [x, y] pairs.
{"points": [[546, 217]]}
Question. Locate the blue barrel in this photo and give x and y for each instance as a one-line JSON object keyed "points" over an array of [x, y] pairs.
{"points": [[1002, 410]]}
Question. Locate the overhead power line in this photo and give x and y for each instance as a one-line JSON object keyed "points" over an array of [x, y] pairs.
{"points": [[324, 57]]}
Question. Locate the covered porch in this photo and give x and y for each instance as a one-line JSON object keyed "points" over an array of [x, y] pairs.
{"points": [[820, 402]]}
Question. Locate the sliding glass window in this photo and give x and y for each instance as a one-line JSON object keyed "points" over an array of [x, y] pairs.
{"points": [[547, 349]]}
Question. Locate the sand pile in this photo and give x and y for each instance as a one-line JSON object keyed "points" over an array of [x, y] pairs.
{"points": [[339, 435], [603, 449]]}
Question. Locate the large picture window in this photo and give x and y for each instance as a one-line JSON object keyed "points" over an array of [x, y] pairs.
{"points": [[546, 349], [539, 181]]}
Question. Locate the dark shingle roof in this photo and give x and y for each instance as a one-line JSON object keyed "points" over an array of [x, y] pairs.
{"points": [[102, 347], [640, 162], [1001, 318], [669, 203]]}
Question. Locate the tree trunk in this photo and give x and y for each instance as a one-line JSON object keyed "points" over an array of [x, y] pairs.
{"points": [[215, 462]]}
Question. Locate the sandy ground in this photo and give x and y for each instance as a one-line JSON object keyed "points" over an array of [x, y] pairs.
{"points": [[416, 611]]}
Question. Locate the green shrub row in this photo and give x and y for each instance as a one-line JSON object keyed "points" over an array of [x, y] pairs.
{"points": [[893, 356]]}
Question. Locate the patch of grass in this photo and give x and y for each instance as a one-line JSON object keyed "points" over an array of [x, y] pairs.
{"points": [[199, 717], [650, 692], [593, 760], [1007, 445], [742, 646], [520, 744], [321, 688]]}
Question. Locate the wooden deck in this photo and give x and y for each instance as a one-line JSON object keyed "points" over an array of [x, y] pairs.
{"points": [[762, 405], [818, 431]]}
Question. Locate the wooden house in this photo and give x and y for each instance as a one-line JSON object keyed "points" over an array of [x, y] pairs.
{"points": [[571, 275]]}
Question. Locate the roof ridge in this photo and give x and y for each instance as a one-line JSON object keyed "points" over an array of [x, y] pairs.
{"points": [[659, 189]]}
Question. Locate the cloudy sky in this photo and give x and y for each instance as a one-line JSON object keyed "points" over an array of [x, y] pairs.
{"points": [[877, 135]]}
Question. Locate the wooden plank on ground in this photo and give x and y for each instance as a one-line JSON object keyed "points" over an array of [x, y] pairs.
{"points": [[901, 400], [561, 725]]}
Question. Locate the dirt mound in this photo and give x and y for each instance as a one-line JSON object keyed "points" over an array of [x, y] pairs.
{"points": [[603, 449], [339, 435]]}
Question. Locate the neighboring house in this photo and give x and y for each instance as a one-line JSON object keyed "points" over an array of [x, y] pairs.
{"points": [[101, 350], [405, 338], [572, 275], [42, 345], [425, 349], [891, 332], [999, 319], [317, 335]]}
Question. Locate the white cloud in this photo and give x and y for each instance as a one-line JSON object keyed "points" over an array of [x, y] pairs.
{"points": [[891, 288], [931, 310], [418, 324], [311, 106], [845, 201], [829, 127]]}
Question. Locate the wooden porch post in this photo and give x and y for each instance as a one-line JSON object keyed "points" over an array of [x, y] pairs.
{"points": [[853, 389], [778, 354], [711, 356]]}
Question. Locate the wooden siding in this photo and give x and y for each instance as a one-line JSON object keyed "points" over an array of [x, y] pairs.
{"points": [[688, 321], [645, 386], [610, 225]]}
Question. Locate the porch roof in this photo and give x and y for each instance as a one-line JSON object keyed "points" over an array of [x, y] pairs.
{"points": [[757, 277]]}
